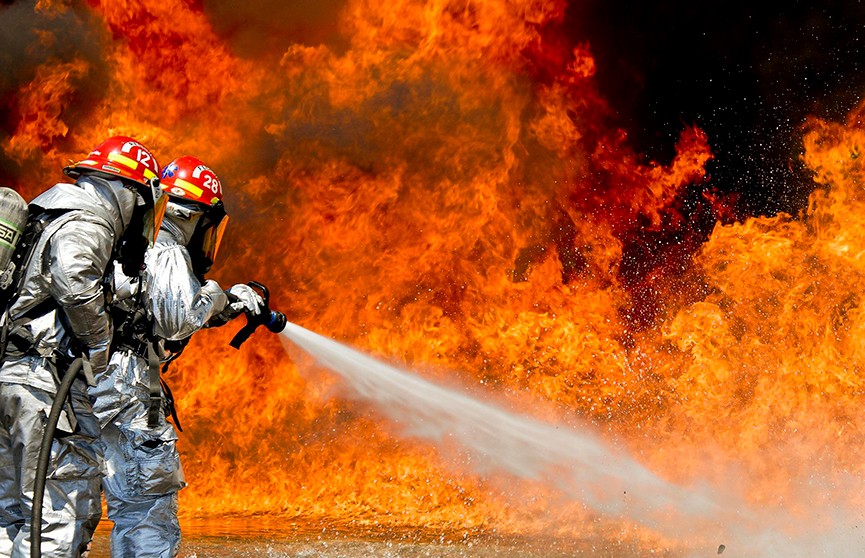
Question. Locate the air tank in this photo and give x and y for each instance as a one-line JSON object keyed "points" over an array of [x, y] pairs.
{"points": [[13, 217]]}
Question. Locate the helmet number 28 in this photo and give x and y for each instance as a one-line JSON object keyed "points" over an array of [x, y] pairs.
{"points": [[211, 182]]}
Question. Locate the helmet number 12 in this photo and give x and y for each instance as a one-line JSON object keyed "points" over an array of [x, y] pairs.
{"points": [[143, 157]]}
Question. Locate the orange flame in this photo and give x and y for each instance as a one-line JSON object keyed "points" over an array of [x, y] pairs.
{"points": [[444, 188], [41, 106]]}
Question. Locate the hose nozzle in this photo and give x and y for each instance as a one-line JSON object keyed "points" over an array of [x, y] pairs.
{"points": [[277, 321], [273, 320]]}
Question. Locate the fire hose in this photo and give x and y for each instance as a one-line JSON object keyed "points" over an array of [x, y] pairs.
{"points": [[45, 456]]}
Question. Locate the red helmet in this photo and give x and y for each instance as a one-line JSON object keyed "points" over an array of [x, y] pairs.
{"points": [[126, 158], [121, 156], [187, 178]]}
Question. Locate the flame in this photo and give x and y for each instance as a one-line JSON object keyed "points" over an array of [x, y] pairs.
{"points": [[41, 105], [444, 187]]}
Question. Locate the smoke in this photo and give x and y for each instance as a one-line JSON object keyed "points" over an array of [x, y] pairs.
{"points": [[268, 27], [746, 73], [37, 37], [32, 36]]}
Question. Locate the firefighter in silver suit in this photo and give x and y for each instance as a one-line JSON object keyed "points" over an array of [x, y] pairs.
{"points": [[58, 312], [173, 301]]}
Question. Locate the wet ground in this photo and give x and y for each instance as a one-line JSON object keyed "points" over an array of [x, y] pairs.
{"points": [[233, 540]]}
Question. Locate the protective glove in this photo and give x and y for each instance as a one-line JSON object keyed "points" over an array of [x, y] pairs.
{"points": [[243, 298]]}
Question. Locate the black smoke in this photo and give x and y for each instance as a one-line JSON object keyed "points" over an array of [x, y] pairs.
{"points": [[747, 73], [32, 37], [264, 28]]}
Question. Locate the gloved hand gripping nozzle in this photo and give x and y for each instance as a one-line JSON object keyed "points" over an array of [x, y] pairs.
{"points": [[273, 320]]}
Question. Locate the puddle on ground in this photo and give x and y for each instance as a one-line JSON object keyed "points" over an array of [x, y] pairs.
{"points": [[250, 539]]}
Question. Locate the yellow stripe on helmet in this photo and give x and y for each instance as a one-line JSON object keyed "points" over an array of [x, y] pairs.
{"points": [[149, 174], [123, 159], [189, 187]]}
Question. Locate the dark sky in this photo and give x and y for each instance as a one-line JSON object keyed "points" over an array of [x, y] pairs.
{"points": [[747, 73]]}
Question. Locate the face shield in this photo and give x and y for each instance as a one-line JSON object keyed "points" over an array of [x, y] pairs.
{"points": [[153, 218], [208, 235], [211, 238], [141, 232], [152, 202]]}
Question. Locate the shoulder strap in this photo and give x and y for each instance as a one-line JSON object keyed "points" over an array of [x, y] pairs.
{"points": [[37, 221]]}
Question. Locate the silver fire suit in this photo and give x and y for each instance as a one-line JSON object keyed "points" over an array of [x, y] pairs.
{"points": [[60, 305], [143, 471]]}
